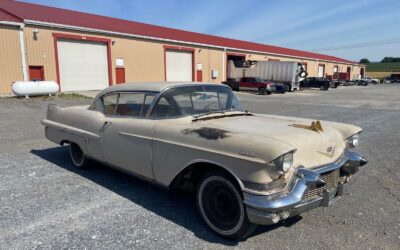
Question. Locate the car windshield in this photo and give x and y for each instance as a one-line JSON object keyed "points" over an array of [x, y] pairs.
{"points": [[195, 100]]}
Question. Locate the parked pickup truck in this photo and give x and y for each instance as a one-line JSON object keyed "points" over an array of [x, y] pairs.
{"points": [[252, 84], [316, 82]]}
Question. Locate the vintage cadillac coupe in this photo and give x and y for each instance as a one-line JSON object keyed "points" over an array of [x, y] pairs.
{"points": [[246, 169]]}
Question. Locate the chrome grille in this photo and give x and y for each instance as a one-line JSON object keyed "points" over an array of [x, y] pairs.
{"points": [[331, 181]]}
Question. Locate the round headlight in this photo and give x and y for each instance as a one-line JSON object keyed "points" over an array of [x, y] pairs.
{"points": [[284, 163], [353, 141]]}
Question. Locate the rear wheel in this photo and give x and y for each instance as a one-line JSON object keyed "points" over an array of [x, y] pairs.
{"points": [[262, 91], [77, 156], [221, 206]]}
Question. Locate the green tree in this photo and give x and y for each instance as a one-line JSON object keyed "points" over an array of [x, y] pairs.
{"points": [[388, 59], [364, 60]]}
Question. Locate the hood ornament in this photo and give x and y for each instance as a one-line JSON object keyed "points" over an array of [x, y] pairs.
{"points": [[330, 151], [315, 126]]}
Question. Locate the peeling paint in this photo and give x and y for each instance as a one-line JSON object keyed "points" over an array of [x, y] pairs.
{"points": [[208, 133]]}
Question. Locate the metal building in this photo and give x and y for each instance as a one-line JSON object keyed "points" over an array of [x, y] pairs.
{"points": [[82, 51]]}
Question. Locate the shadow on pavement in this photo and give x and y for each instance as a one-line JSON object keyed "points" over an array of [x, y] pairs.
{"points": [[175, 206]]}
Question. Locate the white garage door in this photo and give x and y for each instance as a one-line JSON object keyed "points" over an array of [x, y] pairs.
{"points": [[321, 70], [83, 65], [179, 65]]}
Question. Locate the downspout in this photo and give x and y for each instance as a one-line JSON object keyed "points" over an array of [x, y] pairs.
{"points": [[223, 64], [23, 52]]}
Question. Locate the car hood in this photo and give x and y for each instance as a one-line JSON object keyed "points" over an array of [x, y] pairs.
{"points": [[312, 148]]}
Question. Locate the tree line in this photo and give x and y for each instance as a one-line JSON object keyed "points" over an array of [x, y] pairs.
{"points": [[386, 59]]}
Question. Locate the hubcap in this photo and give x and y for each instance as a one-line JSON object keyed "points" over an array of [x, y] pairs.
{"points": [[221, 205], [76, 154]]}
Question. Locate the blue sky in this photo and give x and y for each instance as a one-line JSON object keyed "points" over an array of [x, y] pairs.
{"points": [[322, 26]]}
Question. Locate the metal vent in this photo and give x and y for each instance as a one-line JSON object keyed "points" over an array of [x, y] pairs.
{"points": [[331, 179]]}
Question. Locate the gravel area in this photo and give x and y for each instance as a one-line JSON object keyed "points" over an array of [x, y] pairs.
{"points": [[46, 203]]}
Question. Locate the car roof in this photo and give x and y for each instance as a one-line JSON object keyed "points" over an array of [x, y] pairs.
{"points": [[151, 86]]}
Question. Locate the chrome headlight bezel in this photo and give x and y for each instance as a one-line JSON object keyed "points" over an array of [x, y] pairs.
{"points": [[283, 163], [353, 141]]}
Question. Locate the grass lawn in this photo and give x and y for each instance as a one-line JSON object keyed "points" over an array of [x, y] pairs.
{"points": [[383, 67]]}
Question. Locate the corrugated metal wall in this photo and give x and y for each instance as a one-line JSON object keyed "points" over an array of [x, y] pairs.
{"points": [[10, 58], [40, 51]]}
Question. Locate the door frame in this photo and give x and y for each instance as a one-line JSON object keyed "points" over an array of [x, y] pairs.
{"points": [[41, 67], [57, 36]]}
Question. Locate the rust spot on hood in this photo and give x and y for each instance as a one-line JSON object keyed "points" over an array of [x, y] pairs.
{"points": [[208, 133]]}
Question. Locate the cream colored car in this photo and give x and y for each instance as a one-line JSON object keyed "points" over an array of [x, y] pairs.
{"points": [[246, 169]]}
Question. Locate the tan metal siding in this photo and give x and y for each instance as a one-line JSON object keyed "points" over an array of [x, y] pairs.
{"points": [[214, 60], [40, 51], [10, 58], [143, 60]]}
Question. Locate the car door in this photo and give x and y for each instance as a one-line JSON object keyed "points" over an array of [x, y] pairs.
{"points": [[306, 82], [243, 83], [314, 83], [127, 134]]}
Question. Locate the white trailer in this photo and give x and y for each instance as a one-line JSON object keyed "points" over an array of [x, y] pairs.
{"points": [[290, 73]]}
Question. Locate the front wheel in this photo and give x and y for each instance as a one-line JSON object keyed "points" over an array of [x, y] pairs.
{"points": [[262, 91], [221, 206]]}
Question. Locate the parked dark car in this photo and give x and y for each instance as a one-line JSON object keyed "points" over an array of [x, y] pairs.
{"points": [[281, 88], [316, 82], [394, 78]]}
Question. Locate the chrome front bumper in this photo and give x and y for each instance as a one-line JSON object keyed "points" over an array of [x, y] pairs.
{"points": [[265, 210]]}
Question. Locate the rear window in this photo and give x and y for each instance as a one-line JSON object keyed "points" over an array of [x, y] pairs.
{"points": [[130, 104], [127, 104], [110, 103]]}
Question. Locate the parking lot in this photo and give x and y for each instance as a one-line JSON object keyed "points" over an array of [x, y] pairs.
{"points": [[46, 203]]}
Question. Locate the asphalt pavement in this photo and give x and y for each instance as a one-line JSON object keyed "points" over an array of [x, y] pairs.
{"points": [[46, 203]]}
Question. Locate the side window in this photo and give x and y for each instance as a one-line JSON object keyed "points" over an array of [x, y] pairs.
{"points": [[110, 104], [164, 109], [161, 109], [130, 104], [148, 100]]}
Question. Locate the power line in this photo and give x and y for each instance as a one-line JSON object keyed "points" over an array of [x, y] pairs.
{"points": [[360, 45]]}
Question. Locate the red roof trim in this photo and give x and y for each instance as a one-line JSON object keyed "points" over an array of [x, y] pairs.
{"points": [[45, 14]]}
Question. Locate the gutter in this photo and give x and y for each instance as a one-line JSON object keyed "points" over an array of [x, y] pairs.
{"points": [[10, 23], [77, 28]]}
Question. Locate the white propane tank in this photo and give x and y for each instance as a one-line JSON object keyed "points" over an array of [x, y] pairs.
{"points": [[34, 88]]}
